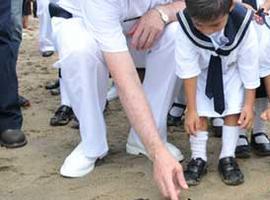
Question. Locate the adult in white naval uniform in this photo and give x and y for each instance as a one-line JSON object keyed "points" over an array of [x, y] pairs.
{"points": [[85, 46], [111, 29], [45, 29]]}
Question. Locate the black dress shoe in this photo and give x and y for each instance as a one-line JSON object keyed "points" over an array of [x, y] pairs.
{"points": [[12, 138], [243, 151], [262, 149], [62, 116], [175, 120], [23, 102], [52, 85], [47, 53], [230, 172], [196, 168]]}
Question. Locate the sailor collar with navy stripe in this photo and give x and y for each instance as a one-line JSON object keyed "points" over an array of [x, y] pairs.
{"points": [[235, 29]]}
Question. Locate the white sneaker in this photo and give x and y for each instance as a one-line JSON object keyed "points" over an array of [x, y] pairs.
{"points": [[136, 149], [77, 164], [112, 93]]}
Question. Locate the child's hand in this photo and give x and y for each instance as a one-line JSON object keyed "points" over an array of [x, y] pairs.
{"points": [[192, 122], [266, 115], [246, 117], [258, 19], [259, 16]]}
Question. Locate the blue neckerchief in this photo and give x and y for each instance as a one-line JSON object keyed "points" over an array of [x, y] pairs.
{"points": [[235, 29]]}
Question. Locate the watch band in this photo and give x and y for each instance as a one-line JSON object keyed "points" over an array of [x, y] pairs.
{"points": [[163, 16]]}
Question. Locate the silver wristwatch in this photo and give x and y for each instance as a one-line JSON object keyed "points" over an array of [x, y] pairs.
{"points": [[163, 16]]}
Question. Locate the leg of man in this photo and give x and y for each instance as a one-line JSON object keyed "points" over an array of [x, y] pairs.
{"points": [[63, 94], [160, 87], [10, 113], [45, 29], [16, 28], [85, 77]]}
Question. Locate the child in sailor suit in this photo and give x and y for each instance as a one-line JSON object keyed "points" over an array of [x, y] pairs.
{"points": [[265, 70], [205, 45], [259, 139]]}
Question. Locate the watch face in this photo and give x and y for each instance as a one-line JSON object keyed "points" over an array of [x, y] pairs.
{"points": [[165, 18]]}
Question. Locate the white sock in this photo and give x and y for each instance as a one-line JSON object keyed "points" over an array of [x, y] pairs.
{"points": [[230, 136], [217, 122], [259, 124], [198, 145], [176, 111], [242, 141]]}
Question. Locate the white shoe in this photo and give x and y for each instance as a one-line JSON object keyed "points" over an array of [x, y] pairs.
{"points": [[112, 93], [77, 164], [135, 149]]}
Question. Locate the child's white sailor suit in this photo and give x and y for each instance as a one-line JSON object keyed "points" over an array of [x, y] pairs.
{"points": [[263, 33], [101, 26], [240, 68]]}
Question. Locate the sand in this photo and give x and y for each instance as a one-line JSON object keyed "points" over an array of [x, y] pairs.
{"points": [[32, 172]]}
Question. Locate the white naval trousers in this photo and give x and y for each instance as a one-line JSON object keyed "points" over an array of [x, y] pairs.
{"points": [[63, 94], [85, 76], [45, 38], [160, 83]]}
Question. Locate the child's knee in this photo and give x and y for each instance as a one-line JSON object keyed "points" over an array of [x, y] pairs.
{"points": [[231, 120]]}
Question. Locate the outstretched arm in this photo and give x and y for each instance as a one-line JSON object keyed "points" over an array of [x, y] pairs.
{"points": [[168, 172]]}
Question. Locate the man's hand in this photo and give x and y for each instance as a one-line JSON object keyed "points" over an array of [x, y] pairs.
{"points": [[266, 115], [246, 117], [147, 30], [192, 122], [168, 174]]}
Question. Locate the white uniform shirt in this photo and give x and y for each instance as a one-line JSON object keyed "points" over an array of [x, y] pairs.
{"points": [[240, 70], [105, 19]]}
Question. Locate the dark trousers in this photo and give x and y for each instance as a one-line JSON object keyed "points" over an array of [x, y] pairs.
{"points": [[10, 113], [29, 7], [26, 8]]}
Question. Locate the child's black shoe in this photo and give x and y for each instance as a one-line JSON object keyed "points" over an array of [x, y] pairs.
{"points": [[196, 168], [261, 149], [230, 172], [243, 151]]}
